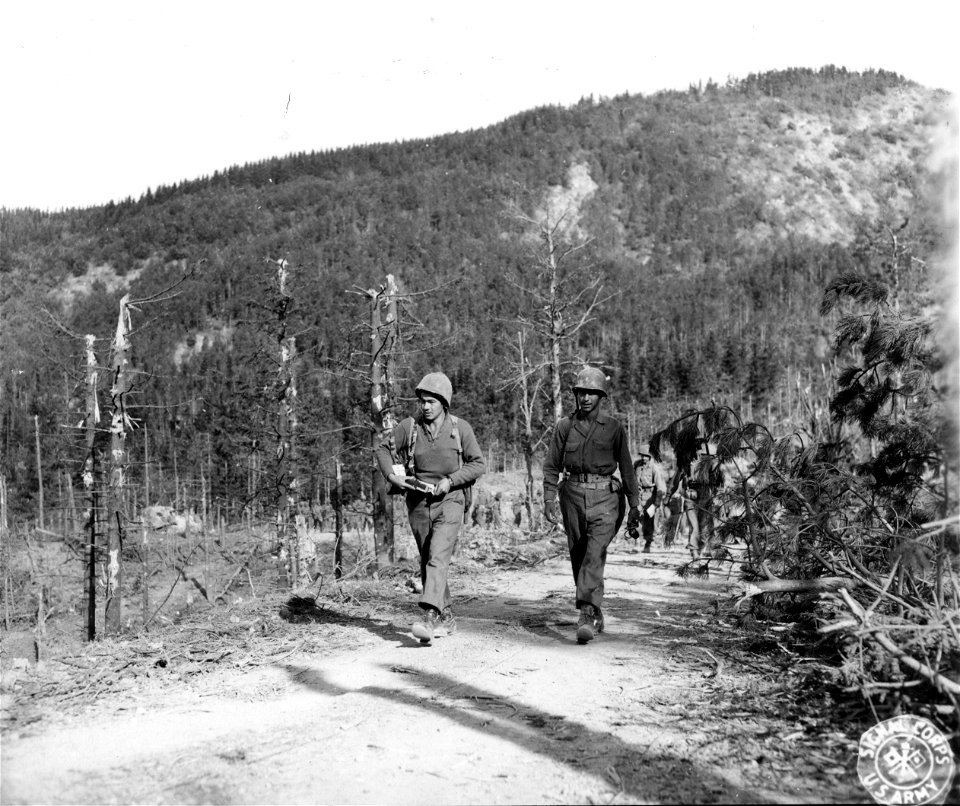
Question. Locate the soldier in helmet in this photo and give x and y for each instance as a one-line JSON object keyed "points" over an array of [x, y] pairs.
{"points": [[435, 459], [587, 448], [653, 491]]}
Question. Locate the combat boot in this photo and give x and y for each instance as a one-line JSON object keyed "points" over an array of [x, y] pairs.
{"points": [[424, 629], [587, 625], [447, 625], [599, 618]]}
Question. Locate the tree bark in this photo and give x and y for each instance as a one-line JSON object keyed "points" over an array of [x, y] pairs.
{"points": [[119, 424], [90, 487], [338, 522], [36, 426], [285, 469], [383, 339]]}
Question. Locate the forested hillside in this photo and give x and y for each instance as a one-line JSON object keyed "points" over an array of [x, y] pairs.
{"points": [[709, 222]]}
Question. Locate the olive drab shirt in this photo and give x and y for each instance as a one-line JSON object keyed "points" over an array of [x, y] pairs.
{"points": [[650, 477], [436, 458], [605, 452]]}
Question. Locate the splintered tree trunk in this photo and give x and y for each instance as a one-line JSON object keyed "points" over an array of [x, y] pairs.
{"points": [[526, 437], [90, 488], [286, 480], [5, 552], [286, 466], [556, 325], [36, 426], [383, 338], [338, 523], [120, 423]]}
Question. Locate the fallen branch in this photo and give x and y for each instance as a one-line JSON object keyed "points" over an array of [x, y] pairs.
{"points": [[176, 580], [941, 683], [240, 569], [883, 591], [719, 670], [748, 590], [196, 582], [941, 524]]}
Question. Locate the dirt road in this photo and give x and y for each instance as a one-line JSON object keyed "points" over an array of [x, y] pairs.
{"points": [[509, 710]]}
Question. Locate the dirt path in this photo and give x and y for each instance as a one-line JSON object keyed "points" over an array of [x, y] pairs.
{"points": [[509, 710]]}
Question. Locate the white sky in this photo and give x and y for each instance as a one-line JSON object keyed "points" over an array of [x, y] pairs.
{"points": [[101, 100]]}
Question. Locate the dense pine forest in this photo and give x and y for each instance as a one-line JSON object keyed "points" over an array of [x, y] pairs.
{"points": [[704, 227], [763, 266]]}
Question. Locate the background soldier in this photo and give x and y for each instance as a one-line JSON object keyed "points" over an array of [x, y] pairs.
{"points": [[653, 492], [693, 485], [588, 448]]}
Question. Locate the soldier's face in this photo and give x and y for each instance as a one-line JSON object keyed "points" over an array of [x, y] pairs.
{"points": [[430, 407], [587, 400]]}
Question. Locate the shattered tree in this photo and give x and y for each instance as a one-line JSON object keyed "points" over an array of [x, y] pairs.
{"points": [[383, 345], [286, 468], [120, 423], [89, 485]]}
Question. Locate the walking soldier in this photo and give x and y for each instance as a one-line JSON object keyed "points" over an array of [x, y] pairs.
{"points": [[587, 448], [653, 490], [436, 472]]}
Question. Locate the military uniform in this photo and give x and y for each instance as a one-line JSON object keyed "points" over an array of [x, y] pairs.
{"points": [[653, 489], [696, 513], [453, 456], [587, 449]]}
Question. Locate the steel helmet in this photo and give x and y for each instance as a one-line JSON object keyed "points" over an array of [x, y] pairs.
{"points": [[591, 379], [438, 385]]}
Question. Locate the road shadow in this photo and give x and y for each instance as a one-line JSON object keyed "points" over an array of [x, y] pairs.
{"points": [[634, 773], [308, 610], [554, 616]]}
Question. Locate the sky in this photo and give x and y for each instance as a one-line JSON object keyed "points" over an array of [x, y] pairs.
{"points": [[102, 100]]}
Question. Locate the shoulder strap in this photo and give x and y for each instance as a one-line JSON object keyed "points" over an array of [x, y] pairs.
{"points": [[455, 429], [566, 433], [412, 436], [407, 457]]}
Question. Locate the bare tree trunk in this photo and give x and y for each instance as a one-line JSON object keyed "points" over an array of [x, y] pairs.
{"points": [[145, 574], [146, 467], [338, 523], [556, 326], [90, 471], [119, 424], [71, 506], [527, 440], [5, 552], [61, 509], [176, 474], [286, 470], [36, 426], [383, 338]]}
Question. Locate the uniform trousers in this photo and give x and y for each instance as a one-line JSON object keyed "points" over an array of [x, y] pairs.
{"points": [[435, 523], [591, 519], [649, 524]]}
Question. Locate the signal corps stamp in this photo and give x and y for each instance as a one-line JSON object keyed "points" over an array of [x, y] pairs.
{"points": [[905, 760]]}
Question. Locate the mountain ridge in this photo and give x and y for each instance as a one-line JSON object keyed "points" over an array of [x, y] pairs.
{"points": [[716, 216]]}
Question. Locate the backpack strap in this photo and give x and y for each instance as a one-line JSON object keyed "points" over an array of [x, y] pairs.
{"points": [[455, 429], [467, 488], [411, 462]]}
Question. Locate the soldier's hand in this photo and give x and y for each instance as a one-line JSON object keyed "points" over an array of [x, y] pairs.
{"points": [[551, 511], [443, 486], [633, 519], [399, 481]]}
